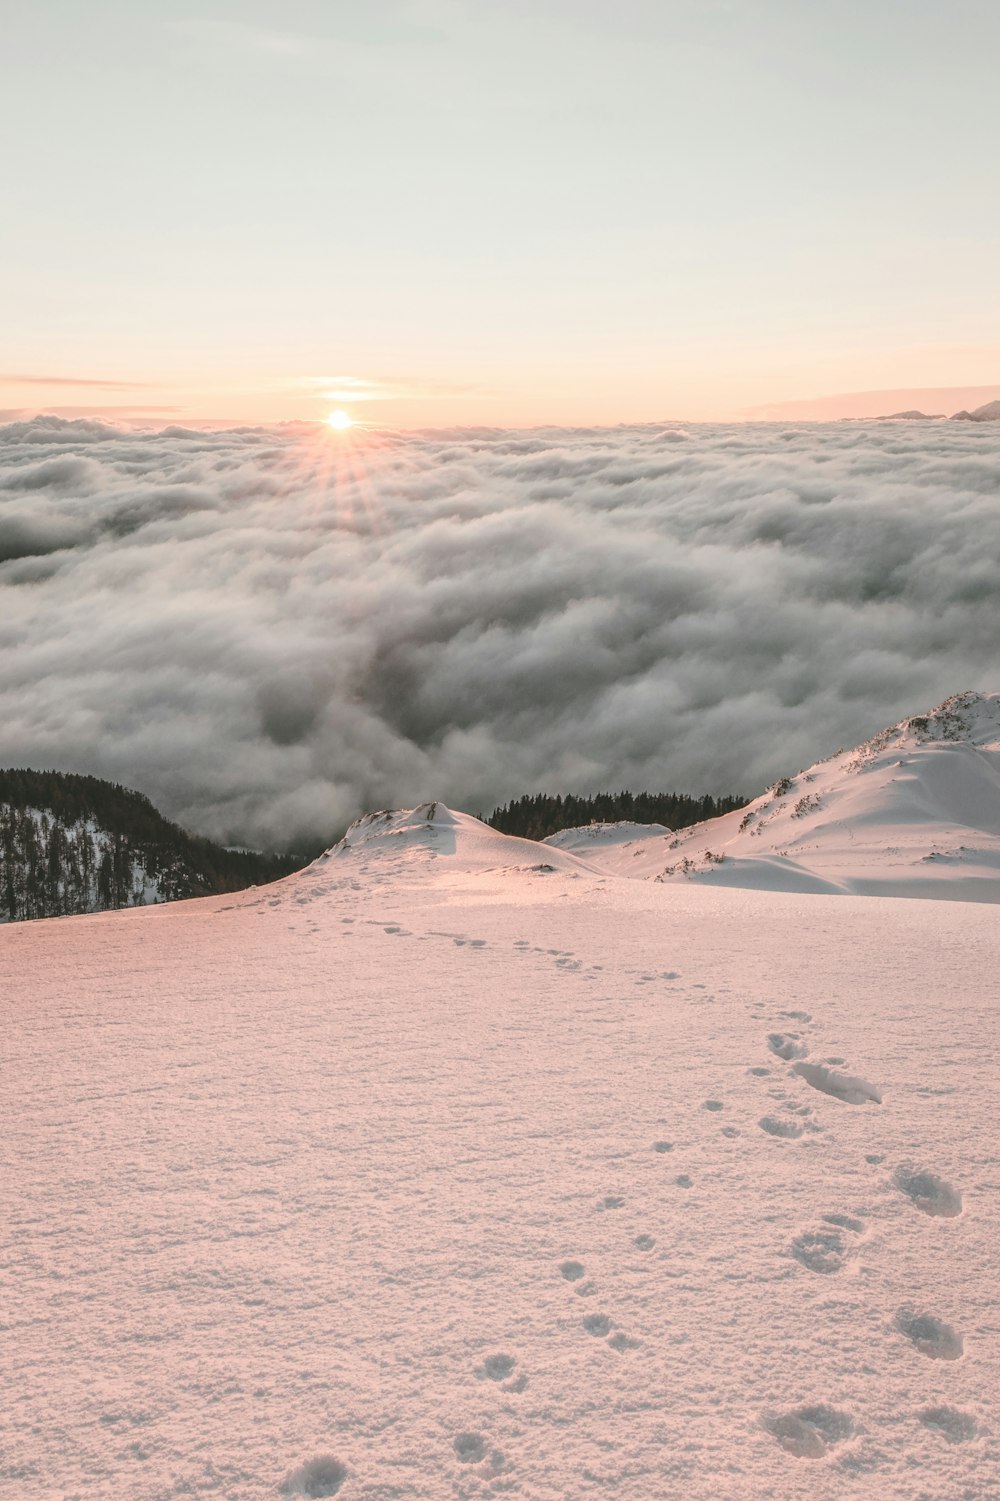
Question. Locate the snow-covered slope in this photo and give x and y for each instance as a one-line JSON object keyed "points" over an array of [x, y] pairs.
{"points": [[427, 1173], [915, 811], [395, 842]]}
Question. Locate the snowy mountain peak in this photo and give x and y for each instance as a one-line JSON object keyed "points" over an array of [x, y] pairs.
{"points": [[969, 717], [913, 811], [422, 825], [410, 837]]}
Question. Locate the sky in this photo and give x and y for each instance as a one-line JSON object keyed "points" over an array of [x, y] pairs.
{"points": [[271, 630], [437, 212]]}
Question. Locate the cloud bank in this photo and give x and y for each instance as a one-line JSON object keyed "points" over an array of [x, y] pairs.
{"points": [[272, 630]]}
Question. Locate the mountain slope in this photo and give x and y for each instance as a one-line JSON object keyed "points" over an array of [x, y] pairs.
{"points": [[426, 1174], [914, 811], [72, 844]]}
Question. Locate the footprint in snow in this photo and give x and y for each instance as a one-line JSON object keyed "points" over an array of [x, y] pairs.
{"points": [[663, 1146], [826, 1250], [931, 1194], [598, 1324], [644, 1242], [497, 1368], [683, 1181], [730, 1131], [950, 1422], [850, 1088], [319, 1477], [845, 1222], [470, 1448], [786, 1045], [809, 1432], [610, 1201], [622, 1342], [786, 1130], [572, 1270], [932, 1337], [712, 1105]]}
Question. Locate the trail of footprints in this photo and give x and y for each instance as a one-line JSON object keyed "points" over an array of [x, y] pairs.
{"points": [[810, 1432]]}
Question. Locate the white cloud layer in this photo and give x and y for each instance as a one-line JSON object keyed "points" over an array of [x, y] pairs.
{"points": [[269, 632]]}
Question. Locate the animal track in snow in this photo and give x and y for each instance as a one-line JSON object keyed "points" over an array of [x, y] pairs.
{"points": [[497, 1367], [712, 1105], [850, 1088], [797, 1016], [663, 1146], [611, 1201], [761, 1073], [932, 1337], [786, 1045], [469, 1447], [572, 1270], [319, 1477], [953, 1424], [598, 1324], [644, 1242], [931, 1194], [787, 1130], [683, 1181], [730, 1131], [809, 1432]]}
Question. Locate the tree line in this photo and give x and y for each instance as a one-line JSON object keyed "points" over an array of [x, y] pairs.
{"points": [[71, 844], [539, 816]]}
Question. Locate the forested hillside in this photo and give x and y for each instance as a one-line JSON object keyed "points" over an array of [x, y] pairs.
{"points": [[538, 817], [71, 844]]}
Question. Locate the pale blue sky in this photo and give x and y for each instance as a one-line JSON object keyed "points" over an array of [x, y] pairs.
{"points": [[560, 210]]}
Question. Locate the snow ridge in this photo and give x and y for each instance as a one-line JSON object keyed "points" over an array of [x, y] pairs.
{"points": [[912, 811]]}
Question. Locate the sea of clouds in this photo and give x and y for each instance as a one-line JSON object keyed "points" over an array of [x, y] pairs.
{"points": [[271, 630]]}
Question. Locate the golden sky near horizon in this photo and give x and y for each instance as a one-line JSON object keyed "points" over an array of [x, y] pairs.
{"points": [[438, 212]]}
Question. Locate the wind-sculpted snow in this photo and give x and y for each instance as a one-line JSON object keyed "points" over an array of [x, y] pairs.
{"points": [[269, 631]]}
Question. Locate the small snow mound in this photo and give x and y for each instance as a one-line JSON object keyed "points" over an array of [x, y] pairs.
{"points": [[319, 1477], [400, 839]]}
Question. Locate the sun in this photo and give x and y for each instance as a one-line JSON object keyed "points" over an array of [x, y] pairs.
{"points": [[339, 420]]}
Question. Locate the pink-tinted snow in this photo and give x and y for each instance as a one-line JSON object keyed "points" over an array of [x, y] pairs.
{"points": [[452, 1168]]}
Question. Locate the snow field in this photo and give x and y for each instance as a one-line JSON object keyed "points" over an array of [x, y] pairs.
{"points": [[416, 1177]]}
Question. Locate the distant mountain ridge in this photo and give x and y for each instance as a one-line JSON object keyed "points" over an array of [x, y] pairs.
{"points": [[988, 413], [74, 844]]}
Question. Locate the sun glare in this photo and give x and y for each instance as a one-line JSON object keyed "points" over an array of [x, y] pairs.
{"points": [[339, 420]]}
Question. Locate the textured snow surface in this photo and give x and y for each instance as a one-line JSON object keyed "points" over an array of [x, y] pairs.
{"points": [[915, 811], [449, 1167]]}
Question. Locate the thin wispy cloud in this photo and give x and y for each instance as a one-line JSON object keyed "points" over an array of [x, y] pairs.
{"points": [[74, 380], [270, 630]]}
